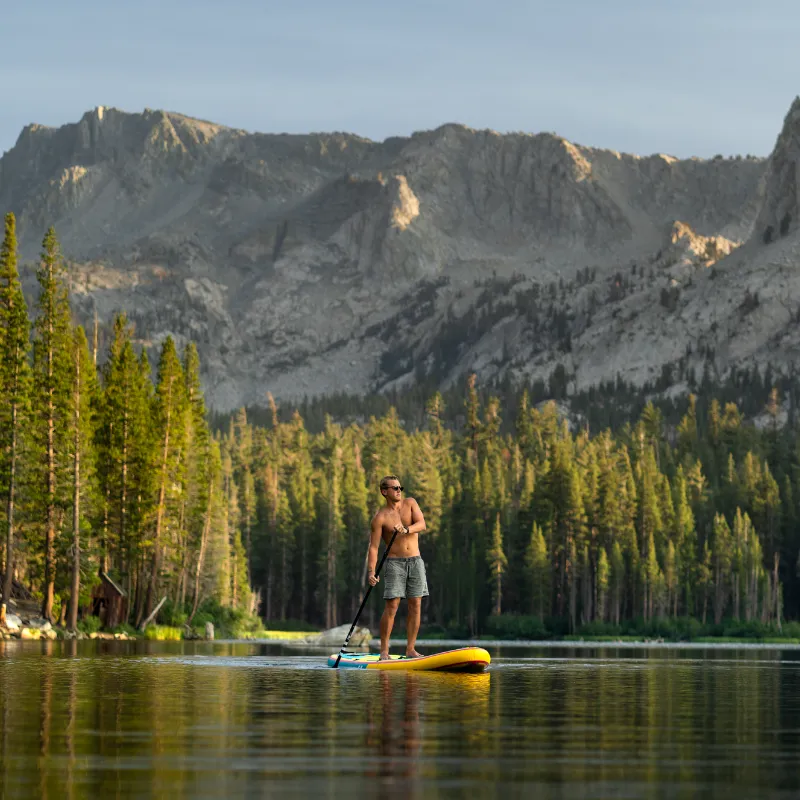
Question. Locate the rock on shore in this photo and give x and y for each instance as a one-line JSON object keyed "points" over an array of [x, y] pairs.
{"points": [[336, 636]]}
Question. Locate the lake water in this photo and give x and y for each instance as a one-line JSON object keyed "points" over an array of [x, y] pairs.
{"points": [[195, 720]]}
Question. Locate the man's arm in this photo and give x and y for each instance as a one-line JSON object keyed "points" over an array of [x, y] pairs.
{"points": [[417, 520], [372, 555]]}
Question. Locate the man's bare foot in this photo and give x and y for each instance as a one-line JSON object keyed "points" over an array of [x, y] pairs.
{"points": [[413, 653], [384, 657]]}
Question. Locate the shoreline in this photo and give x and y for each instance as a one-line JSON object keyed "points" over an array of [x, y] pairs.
{"points": [[552, 644], [529, 644]]}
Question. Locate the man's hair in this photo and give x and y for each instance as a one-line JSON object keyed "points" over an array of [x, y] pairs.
{"points": [[388, 478]]}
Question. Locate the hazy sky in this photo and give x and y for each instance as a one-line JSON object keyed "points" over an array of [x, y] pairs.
{"points": [[680, 77]]}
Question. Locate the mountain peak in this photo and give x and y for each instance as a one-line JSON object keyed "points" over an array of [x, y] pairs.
{"points": [[779, 212]]}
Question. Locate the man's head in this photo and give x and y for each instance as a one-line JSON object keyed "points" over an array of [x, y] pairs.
{"points": [[390, 487]]}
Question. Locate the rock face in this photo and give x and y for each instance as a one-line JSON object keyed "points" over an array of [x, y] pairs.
{"points": [[779, 213], [310, 264]]}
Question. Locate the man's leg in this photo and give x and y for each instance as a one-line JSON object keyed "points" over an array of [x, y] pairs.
{"points": [[387, 623], [412, 625]]}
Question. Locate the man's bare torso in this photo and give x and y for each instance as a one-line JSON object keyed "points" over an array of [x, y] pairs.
{"points": [[405, 546]]}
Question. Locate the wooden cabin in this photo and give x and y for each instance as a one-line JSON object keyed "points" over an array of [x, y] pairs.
{"points": [[109, 602]]}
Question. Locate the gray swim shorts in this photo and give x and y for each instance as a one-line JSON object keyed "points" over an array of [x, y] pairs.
{"points": [[404, 577]]}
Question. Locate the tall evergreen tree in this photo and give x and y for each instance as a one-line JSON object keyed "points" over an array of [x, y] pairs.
{"points": [[539, 574], [170, 423], [84, 390], [52, 374], [14, 386], [498, 563]]}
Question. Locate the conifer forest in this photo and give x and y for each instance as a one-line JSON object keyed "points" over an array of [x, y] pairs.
{"points": [[110, 462]]}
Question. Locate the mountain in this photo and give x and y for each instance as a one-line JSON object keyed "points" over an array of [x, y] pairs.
{"points": [[307, 264]]}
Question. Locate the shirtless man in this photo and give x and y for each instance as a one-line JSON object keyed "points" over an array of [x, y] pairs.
{"points": [[403, 570]]}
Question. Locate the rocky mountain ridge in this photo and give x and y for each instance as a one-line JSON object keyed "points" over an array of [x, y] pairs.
{"points": [[307, 264]]}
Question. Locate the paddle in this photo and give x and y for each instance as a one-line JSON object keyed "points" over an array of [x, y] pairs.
{"points": [[364, 601]]}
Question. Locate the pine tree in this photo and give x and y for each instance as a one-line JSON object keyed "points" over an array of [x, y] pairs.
{"points": [[248, 514], [213, 473], [685, 538], [52, 376], [169, 417], [334, 528], [649, 523], [285, 545], [538, 570], [434, 410], [14, 386], [429, 478], [617, 581], [126, 461], [355, 517], [722, 560], [498, 563], [84, 390], [671, 577], [603, 575], [472, 406], [705, 577], [687, 431], [302, 500]]}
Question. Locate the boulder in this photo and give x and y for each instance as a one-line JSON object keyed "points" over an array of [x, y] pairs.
{"points": [[39, 623], [50, 634], [30, 633], [336, 636], [13, 622]]}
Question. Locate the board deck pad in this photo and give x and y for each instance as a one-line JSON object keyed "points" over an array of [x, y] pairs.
{"points": [[465, 659]]}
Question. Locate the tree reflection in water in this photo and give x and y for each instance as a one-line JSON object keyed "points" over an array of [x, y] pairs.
{"points": [[105, 719]]}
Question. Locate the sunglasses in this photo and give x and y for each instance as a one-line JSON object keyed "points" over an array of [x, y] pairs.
{"points": [[396, 488]]}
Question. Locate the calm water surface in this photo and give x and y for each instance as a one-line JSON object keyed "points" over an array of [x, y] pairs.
{"points": [[140, 719]]}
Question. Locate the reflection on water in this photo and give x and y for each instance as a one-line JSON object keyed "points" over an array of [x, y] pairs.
{"points": [[118, 719]]}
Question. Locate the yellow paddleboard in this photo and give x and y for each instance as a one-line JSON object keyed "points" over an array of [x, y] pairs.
{"points": [[465, 659]]}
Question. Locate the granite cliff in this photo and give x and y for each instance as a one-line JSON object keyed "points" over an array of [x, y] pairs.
{"points": [[305, 264]]}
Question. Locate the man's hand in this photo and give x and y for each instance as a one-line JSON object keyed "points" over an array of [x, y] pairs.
{"points": [[400, 529], [372, 579]]}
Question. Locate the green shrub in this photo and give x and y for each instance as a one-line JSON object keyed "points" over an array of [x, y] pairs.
{"points": [[89, 625], [200, 618], [598, 628], [172, 615], [516, 626], [229, 623], [125, 628], [752, 629], [791, 630]]}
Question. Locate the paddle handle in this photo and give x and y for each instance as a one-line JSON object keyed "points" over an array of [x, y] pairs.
{"points": [[364, 601]]}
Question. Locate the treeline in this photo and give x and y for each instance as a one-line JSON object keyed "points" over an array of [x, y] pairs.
{"points": [[104, 469], [697, 519]]}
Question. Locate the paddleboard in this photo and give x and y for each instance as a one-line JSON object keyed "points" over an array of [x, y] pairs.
{"points": [[465, 659]]}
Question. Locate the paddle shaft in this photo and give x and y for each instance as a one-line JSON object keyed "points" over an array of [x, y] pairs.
{"points": [[364, 601]]}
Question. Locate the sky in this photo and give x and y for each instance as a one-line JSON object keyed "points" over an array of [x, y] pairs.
{"points": [[684, 77]]}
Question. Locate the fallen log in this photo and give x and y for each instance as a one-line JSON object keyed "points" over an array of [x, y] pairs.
{"points": [[153, 614]]}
